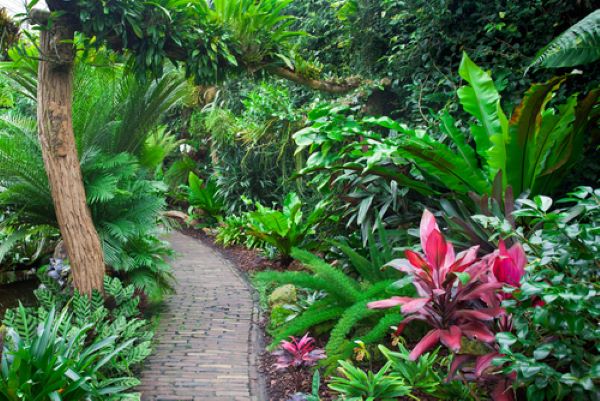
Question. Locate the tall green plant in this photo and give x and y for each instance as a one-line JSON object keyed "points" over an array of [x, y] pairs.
{"points": [[204, 195], [56, 363], [286, 228]]}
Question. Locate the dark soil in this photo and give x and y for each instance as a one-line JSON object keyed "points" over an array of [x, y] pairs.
{"points": [[247, 260], [12, 294]]}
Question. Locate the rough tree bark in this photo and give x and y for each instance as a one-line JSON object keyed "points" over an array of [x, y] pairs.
{"points": [[55, 125]]}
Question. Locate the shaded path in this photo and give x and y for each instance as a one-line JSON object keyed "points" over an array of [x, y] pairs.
{"points": [[207, 337]]}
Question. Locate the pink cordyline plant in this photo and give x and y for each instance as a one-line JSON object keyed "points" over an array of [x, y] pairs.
{"points": [[298, 353], [508, 266], [456, 297]]}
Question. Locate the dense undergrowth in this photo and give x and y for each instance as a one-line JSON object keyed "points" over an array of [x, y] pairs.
{"points": [[477, 119]]}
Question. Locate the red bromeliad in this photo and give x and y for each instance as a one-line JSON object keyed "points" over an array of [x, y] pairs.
{"points": [[298, 353], [456, 296]]}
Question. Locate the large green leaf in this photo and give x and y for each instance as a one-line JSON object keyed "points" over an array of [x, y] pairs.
{"points": [[438, 160], [482, 100], [580, 44], [556, 130], [525, 125], [448, 126]]}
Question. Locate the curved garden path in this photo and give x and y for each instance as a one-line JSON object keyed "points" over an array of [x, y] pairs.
{"points": [[207, 339]]}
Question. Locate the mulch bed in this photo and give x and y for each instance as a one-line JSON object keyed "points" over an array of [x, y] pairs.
{"points": [[248, 260]]}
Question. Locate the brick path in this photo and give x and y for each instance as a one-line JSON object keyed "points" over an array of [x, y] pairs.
{"points": [[207, 340]]}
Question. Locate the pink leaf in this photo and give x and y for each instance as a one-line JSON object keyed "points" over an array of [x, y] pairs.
{"points": [[480, 291], [509, 265], [469, 256], [502, 391], [484, 362], [478, 331], [436, 249], [457, 362], [416, 260], [403, 265], [414, 305], [410, 305], [479, 314], [451, 338], [517, 254], [388, 303], [426, 343], [428, 225]]}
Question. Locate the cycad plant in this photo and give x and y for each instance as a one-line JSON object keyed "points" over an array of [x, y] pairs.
{"points": [[344, 307], [115, 119]]}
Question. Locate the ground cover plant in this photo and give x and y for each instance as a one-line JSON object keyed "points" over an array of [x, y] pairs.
{"points": [[344, 305], [72, 347]]}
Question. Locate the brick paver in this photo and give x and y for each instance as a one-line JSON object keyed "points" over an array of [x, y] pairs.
{"points": [[207, 340]]}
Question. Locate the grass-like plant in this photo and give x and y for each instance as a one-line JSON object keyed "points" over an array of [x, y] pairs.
{"points": [[56, 362]]}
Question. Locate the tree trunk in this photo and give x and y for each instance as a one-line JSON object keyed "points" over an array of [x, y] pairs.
{"points": [[55, 125]]}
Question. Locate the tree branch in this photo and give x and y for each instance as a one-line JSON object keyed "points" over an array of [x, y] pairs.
{"points": [[177, 53], [333, 87]]}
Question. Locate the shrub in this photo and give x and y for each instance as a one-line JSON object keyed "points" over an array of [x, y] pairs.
{"points": [[56, 362], [234, 231], [358, 385], [98, 340], [427, 375], [125, 206], [298, 353], [203, 195], [552, 347], [461, 162], [456, 298]]}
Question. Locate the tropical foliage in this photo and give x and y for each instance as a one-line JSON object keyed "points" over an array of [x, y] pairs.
{"points": [[284, 229], [74, 353], [548, 346], [580, 44], [534, 148], [449, 111]]}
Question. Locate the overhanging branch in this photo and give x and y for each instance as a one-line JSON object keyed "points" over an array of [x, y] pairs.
{"points": [[177, 53], [333, 87]]}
